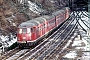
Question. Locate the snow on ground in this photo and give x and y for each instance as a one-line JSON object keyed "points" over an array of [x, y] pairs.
{"points": [[7, 41], [78, 45], [71, 54], [81, 48], [36, 9]]}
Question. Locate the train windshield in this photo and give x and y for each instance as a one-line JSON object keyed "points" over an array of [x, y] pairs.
{"points": [[20, 31], [28, 30], [24, 30]]}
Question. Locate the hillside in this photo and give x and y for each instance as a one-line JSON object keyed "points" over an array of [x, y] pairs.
{"points": [[14, 12]]}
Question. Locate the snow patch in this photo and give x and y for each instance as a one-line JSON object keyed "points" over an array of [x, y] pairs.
{"points": [[6, 41], [71, 54]]}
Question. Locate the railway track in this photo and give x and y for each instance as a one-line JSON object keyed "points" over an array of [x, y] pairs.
{"points": [[14, 54], [53, 46], [9, 53], [56, 41]]}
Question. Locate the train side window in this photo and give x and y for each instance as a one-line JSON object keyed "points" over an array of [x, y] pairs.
{"points": [[51, 22], [33, 29]]}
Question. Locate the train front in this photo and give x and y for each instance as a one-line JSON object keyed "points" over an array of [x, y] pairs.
{"points": [[24, 33]]}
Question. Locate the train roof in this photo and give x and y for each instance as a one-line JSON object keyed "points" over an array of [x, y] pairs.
{"points": [[40, 19], [43, 18], [47, 17], [36, 21], [25, 24]]}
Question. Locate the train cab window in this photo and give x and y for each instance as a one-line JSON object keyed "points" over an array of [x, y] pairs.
{"points": [[20, 31], [28, 30], [24, 30]]}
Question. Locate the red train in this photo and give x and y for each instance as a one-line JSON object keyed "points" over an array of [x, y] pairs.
{"points": [[29, 32]]}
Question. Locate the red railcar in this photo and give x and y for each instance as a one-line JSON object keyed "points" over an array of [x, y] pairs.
{"points": [[30, 31]]}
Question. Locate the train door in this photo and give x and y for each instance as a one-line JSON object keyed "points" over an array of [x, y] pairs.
{"points": [[40, 30], [33, 36], [61, 17], [49, 27], [43, 28], [57, 20], [29, 33], [52, 23], [45, 25], [37, 32]]}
